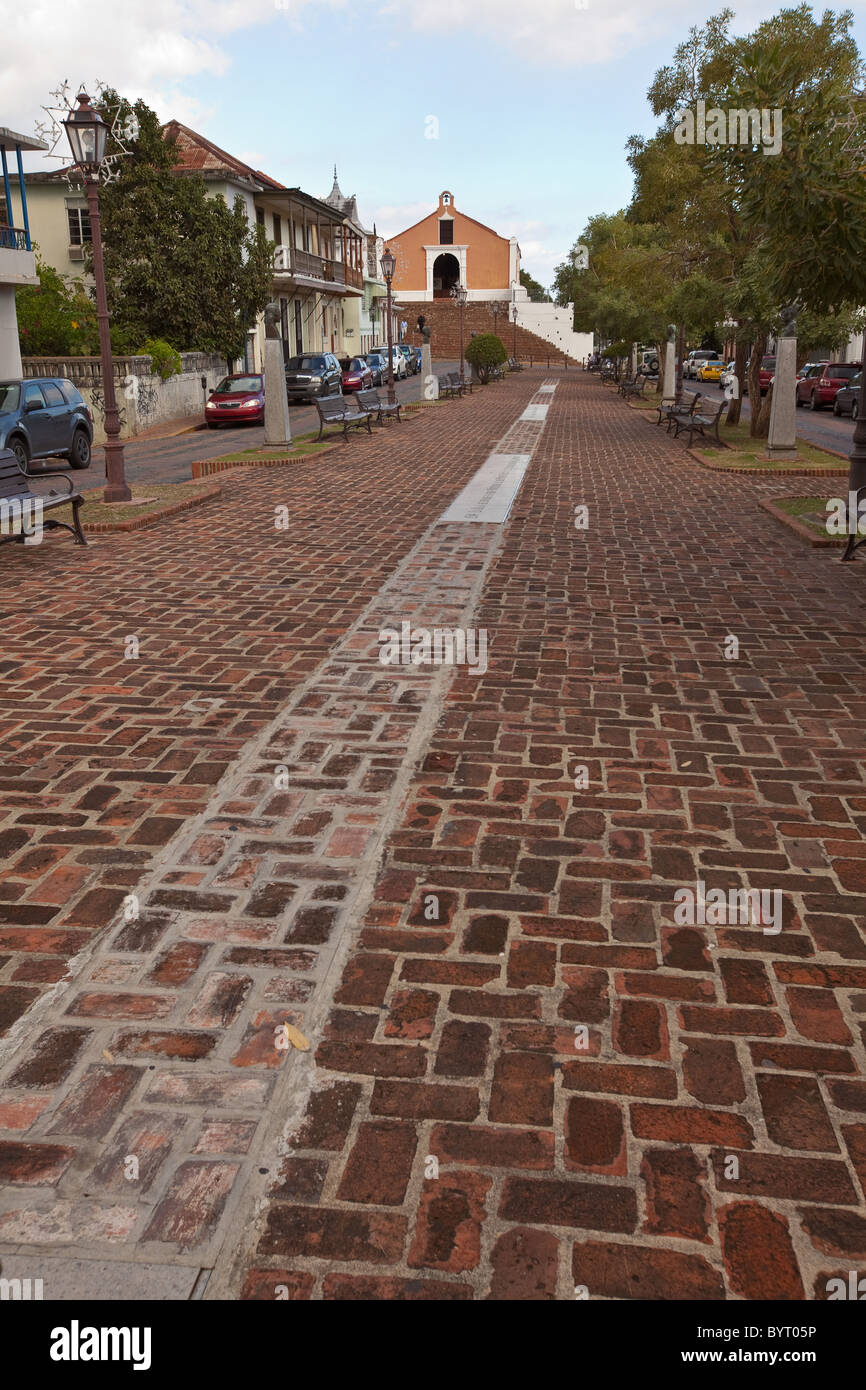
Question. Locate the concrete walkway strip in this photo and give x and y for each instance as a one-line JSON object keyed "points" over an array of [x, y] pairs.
{"points": [[489, 496]]}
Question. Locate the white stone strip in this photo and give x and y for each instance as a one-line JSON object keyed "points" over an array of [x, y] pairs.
{"points": [[489, 495]]}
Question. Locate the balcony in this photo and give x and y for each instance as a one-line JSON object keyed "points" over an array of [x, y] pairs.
{"points": [[327, 273], [14, 239]]}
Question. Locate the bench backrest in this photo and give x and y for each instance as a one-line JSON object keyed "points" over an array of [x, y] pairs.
{"points": [[710, 409], [369, 398], [329, 407], [13, 482]]}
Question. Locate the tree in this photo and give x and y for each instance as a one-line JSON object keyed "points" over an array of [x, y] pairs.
{"points": [[537, 293], [179, 265], [56, 318], [484, 352]]}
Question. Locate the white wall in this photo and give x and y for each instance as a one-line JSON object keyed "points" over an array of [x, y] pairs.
{"points": [[553, 323]]}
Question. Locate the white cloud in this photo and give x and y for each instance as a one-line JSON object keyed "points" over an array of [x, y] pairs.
{"points": [[392, 218]]}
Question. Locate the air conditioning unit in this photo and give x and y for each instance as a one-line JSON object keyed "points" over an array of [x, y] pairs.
{"points": [[76, 253]]}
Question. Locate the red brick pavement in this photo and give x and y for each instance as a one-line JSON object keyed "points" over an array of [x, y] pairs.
{"points": [[709, 1140], [525, 1077]]}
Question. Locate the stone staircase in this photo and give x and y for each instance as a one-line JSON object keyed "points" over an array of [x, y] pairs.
{"points": [[443, 318]]}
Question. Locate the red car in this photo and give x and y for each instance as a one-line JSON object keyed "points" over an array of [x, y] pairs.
{"points": [[820, 385], [766, 373], [357, 375], [237, 400]]}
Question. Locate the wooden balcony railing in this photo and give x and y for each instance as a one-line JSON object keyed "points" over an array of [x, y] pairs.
{"points": [[292, 261]]}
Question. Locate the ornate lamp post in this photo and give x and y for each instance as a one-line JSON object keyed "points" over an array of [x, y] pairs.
{"points": [[514, 321], [461, 294], [388, 264], [88, 134]]}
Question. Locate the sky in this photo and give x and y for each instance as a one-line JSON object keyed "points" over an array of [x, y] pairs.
{"points": [[521, 108]]}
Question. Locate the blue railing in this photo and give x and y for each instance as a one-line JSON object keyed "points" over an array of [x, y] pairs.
{"points": [[13, 239]]}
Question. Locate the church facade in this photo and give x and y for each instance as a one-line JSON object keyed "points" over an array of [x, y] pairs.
{"points": [[449, 248]]}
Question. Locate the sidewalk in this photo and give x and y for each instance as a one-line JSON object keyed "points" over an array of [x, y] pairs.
{"points": [[524, 1075]]}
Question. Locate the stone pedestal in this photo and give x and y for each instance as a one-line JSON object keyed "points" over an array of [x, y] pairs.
{"points": [[669, 371], [429, 383], [782, 439], [278, 431]]}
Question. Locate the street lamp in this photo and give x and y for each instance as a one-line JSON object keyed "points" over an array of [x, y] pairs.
{"points": [[461, 294], [514, 321], [388, 264], [88, 134]]}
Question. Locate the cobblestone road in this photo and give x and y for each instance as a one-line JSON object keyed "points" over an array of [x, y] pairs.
{"points": [[525, 1074]]}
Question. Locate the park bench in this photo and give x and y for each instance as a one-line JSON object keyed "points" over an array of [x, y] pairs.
{"points": [[514, 365], [671, 406], [709, 417], [496, 374], [369, 400], [608, 374], [451, 385], [334, 410], [20, 506], [633, 387]]}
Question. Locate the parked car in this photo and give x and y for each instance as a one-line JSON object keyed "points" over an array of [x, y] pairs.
{"points": [[237, 400], [727, 374], [411, 360], [766, 372], [313, 374], [401, 367], [356, 374], [711, 370], [378, 364], [819, 388], [648, 362], [694, 360], [847, 400], [44, 416], [808, 374]]}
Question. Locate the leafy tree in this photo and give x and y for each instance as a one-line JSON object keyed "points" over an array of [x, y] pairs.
{"points": [[180, 265], [484, 352], [56, 318], [537, 293]]}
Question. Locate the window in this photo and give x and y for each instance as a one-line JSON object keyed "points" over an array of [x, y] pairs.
{"points": [[446, 231], [79, 224], [53, 396], [33, 393], [260, 216], [72, 394], [278, 230]]}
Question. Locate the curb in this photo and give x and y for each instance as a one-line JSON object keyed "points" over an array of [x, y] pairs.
{"points": [[804, 532], [204, 468], [141, 523]]}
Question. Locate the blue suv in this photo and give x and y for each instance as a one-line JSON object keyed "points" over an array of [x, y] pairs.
{"points": [[44, 416]]}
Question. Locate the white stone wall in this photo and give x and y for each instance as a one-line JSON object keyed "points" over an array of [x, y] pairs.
{"points": [[553, 323], [143, 399]]}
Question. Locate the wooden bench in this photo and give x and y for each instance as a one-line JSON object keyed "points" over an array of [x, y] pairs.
{"points": [[334, 410], [709, 417], [514, 365], [671, 406], [369, 400], [19, 506]]}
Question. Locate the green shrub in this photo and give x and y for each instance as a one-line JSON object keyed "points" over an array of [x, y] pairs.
{"points": [[164, 359], [484, 352]]}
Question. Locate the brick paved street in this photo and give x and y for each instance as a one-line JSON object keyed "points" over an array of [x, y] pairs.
{"points": [[525, 1076]]}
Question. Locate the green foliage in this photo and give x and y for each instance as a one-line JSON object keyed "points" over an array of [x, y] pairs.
{"points": [[537, 293], [164, 359], [484, 352], [180, 265], [57, 317]]}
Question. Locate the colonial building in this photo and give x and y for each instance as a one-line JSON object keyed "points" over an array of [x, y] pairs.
{"points": [[320, 258], [17, 259], [449, 248], [364, 324]]}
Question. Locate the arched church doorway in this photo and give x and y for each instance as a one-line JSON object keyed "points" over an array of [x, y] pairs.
{"points": [[446, 274]]}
